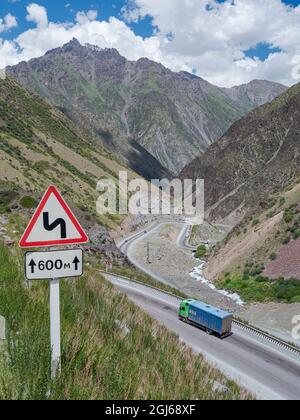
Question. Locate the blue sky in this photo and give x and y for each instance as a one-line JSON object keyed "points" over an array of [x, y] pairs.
{"points": [[230, 43], [58, 12]]}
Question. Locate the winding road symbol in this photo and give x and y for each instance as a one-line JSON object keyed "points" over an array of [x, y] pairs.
{"points": [[58, 222], [53, 224]]}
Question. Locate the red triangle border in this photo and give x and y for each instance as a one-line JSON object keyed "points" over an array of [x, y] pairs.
{"points": [[52, 190]]}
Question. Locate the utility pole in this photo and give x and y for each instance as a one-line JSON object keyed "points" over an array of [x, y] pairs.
{"points": [[148, 253]]}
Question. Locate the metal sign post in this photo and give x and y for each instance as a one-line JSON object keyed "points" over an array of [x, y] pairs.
{"points": [[53, 224], [55, 328]]}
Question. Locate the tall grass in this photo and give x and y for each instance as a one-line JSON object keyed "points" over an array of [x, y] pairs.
{"points": [[135, 274], [111, 349]]}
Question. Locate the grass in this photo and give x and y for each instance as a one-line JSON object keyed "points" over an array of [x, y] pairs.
{"points": [[134, 274], [111, 349], [262, 289]]}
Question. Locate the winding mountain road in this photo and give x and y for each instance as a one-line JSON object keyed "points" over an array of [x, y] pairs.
{"points": [[266, 370]]}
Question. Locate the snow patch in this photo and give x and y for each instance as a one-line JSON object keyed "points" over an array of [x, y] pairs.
{"points": [[197, 274]]}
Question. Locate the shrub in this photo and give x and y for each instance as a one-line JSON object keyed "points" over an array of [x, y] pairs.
{"points": [[255, 222], [273, 256], [281, 201], [296, 234], [257, 271], [41, 166], [288, 216], [6, 199], [201, 251], [263, 289], [287, 290], [28, 202], [261, 279], [286, 240]]}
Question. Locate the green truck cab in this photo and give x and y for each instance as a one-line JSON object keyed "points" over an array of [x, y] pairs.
{"points": [[184, 309]]}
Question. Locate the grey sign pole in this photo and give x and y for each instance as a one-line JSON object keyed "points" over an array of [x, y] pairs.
{"points": [[55, 328]]}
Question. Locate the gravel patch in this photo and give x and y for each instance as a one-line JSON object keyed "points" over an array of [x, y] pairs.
{"points": [[175, 265], [274, 318]]}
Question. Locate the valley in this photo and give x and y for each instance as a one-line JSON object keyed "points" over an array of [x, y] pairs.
{"points": [[255, 363], [81, 114], [156, 251], [141, 111]]}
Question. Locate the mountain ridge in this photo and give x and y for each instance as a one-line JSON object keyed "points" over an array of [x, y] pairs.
{"points": [[142, 101], [40, 146], [257, 157]]}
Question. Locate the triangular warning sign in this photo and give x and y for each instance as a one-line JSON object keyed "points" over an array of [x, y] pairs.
{"points": [[53, 223]]}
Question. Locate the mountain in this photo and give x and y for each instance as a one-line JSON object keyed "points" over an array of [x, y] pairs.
{"points": [[40, 146], [252, 182], [257, 157], [146, 106], [254, 94]]}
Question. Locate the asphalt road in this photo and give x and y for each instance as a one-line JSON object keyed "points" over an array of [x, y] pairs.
{"points": [[266, 370], [126, 245], [182, 238]]}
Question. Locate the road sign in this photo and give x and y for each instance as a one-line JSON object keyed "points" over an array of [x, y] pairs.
{"points": [[53, 224], [54, 264]]}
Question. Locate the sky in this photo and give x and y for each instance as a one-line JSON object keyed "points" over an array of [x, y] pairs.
{"points": [[227, 42]]}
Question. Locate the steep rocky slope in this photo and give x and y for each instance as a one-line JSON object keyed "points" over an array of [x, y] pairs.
{"points": [[146, 105], [254, 94], [257, 157], [252, 181], [39, 146]]}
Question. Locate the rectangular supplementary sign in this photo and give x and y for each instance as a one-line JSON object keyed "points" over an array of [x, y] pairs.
{"points": [[54, 264]]}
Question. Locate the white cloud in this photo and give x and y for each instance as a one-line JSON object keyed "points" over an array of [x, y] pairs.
{"points": [[8, 22], [212, 37], [38, 15], [204, 35], [85, 17]]}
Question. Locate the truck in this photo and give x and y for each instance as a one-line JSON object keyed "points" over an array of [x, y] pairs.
{"points": [[207, 317]]}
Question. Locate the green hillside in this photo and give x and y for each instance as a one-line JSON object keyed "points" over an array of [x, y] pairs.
{"points": [[39, 146], [111, 349]]}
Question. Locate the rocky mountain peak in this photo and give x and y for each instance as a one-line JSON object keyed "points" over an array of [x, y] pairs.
{"points": [[74, 43], [162, 111]]}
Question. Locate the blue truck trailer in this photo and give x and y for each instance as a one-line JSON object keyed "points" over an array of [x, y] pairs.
{"points": [[207, 317]]}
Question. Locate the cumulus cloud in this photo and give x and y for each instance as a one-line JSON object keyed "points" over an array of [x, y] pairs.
{"points": [[84, 17], [213, 37], [8, 22], [203, 36], [38, 15]]}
